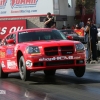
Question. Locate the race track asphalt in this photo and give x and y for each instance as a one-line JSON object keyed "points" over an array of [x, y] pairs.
{"points": [[63, 86]]}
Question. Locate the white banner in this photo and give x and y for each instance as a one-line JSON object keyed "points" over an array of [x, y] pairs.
{"points": [[25, 7]]}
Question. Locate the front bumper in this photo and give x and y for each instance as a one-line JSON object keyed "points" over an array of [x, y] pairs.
{"points": [[55, 62]]}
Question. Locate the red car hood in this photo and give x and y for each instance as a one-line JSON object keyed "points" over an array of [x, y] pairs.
{"points": [[50, 43]]}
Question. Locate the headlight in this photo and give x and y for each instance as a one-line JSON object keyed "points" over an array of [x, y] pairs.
{"points": [[79, 47], [32, 49]]}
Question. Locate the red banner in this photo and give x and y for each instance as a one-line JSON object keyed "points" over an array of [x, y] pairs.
{"points": [[80, 32], [10, 26]]}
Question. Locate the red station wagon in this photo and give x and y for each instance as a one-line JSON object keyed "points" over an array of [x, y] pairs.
{"points": [[31, 50]]}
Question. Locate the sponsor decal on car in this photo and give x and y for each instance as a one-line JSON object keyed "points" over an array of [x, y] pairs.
{"points": [[29, 63], [11, 64], [2, 54], [78, 57], [9, 52], [22, 32], [59, 58], [15, 50], [2, 64], [56, 58]]}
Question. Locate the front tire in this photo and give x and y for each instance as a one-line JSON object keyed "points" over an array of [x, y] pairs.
{"points": [[49, 72], [79, 71], [24, 73], [2, 74]]}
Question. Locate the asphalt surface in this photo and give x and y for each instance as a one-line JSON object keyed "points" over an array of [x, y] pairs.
{"points": [[64, 86]]}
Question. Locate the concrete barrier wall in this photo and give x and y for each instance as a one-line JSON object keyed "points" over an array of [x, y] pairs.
{"points": [[34, 22]]}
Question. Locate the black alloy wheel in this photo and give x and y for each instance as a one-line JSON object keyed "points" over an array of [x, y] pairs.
{"points": [[79, 71], [24, 73]]}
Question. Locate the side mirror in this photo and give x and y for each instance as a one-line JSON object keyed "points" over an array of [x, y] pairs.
{"points": [[10, 41], [69, 37]]}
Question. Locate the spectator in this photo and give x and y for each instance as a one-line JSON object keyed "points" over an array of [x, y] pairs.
{"points": [[89, 19], [81, 24], [91, 30], [54, 25], [73, 27], [76, 26], [49, 21], [63, 27]]}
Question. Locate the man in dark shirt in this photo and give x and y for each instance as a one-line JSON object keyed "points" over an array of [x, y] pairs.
{"points": [[93, 39], [49, 21]]}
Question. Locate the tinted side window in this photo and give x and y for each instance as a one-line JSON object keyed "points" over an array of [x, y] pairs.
{"points": [[4, 41], [13, 36]]}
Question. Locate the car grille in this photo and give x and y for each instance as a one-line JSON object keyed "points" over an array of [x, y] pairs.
{"points": [[63, 50], [51, 51], [67, 50], [54, 63], [57, 63]]}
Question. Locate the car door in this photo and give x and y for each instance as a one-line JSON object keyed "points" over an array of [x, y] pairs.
{"points": [[10, 54], [3, 56]]}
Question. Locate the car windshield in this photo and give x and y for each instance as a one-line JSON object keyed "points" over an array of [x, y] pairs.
{"points": [[40, 35]]}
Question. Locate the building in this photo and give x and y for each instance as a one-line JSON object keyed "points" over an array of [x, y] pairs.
{"points": [[32, 11], [98, 12], [67, 7]]}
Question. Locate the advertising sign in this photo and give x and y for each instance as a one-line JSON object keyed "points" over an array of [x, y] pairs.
{"points": [[10, 26], [25, 7]]}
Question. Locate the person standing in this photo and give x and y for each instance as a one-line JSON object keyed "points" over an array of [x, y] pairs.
{"points": [[76, 27], [81, 24], [92, 31], [73, 27], [63, 27], [49, 21]]}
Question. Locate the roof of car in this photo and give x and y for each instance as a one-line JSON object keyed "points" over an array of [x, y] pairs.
{"points": [[66, 29], [34, 29]]}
